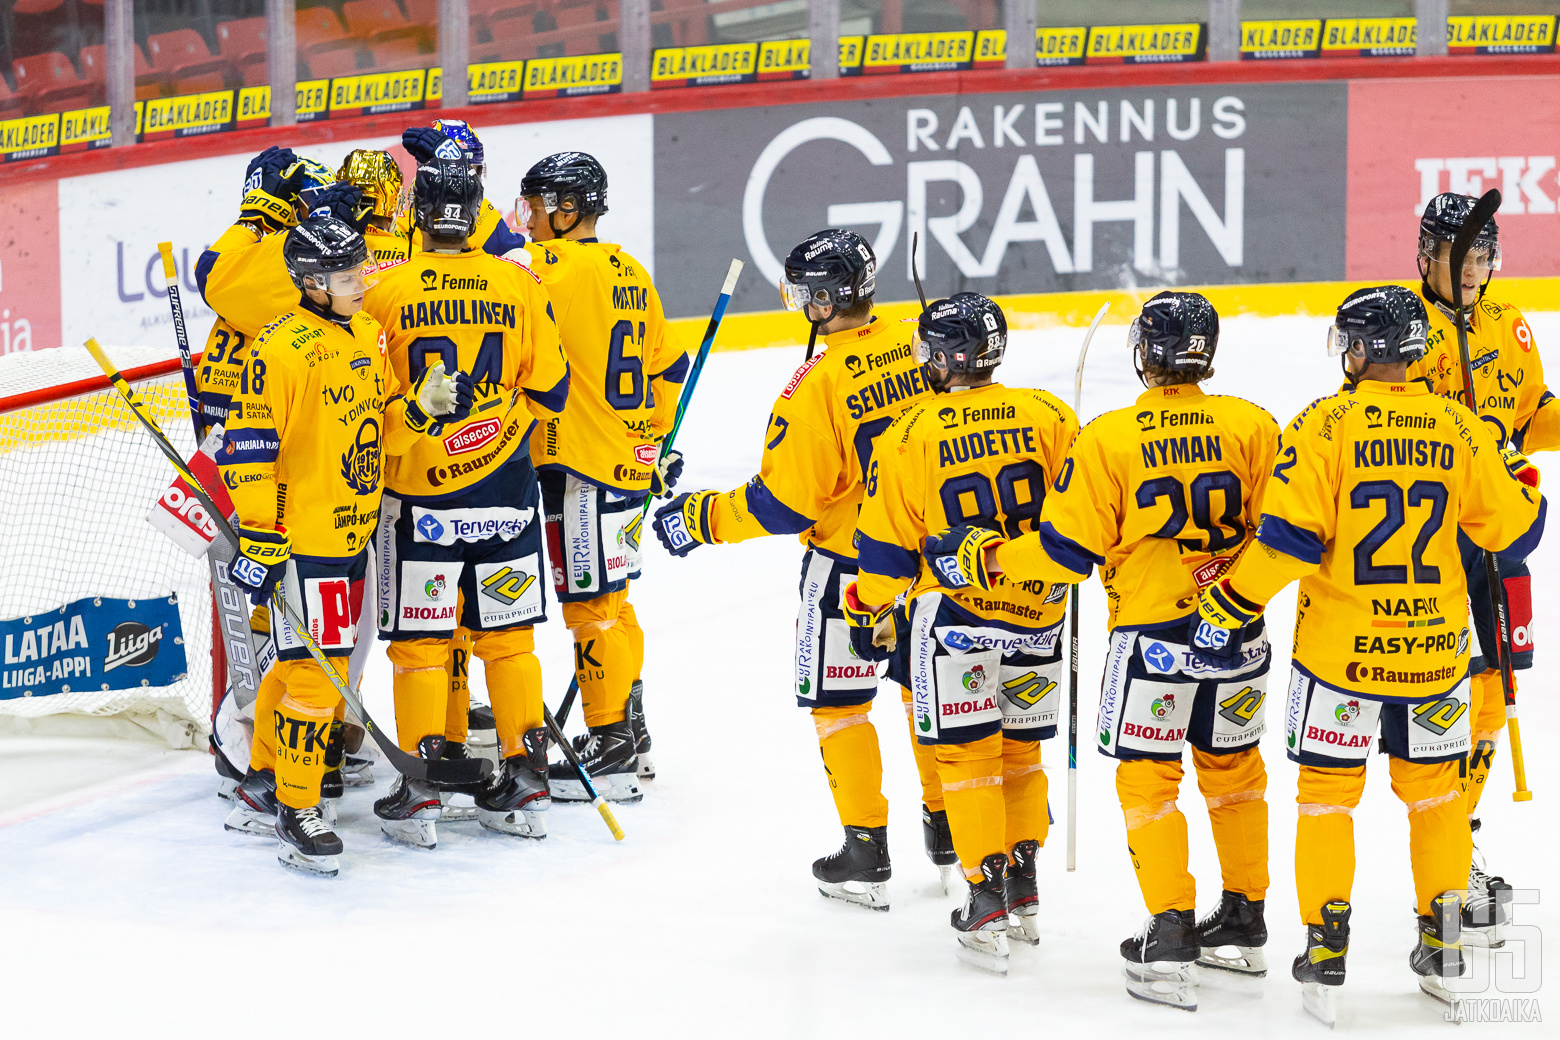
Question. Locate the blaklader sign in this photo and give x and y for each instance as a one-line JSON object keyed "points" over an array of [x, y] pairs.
{"points": [[1011, 193]]}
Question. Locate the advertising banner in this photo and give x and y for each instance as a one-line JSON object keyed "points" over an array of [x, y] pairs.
{"points": [[188, 115], [918, 52], [570, 77], [1369, 38], [1141, 44], [29, 267], [377, 92], [1501, 34], [1061, 46], [1292, 38], [494, 81], [1507, 136], [84, 129], [1025, 192], [784, 59], [29, 137], [704, 66], [95, 643]]}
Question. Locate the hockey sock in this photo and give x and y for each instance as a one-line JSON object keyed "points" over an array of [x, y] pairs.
{"points": [[608, 650], [1234, 787], [457, 709], [849, 745], [1156, 832], [422, 689], [262, 750], [1024, 790], [1440, 845], [301, 728], [972, 793], [925, 760], [1489, 716], [514, 682], [1324, 837]]}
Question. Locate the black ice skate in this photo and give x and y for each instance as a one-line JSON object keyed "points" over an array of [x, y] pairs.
{"points": [[408, 813], [456, 750], [939, 843], [636, 722], [517, 796], [1438, 955], [607, 753], [861, 862], [359, 755], [1023, 894], [1160, 961], [982, 922], [229, 776], [306, 842], [254, 804], [1320, 969], [1232, 937], [1488, 908], [332, 787]]}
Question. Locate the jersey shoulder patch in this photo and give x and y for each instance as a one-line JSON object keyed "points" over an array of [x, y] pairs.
{"points": [[516, 263], [389, 265], [801, 373]]}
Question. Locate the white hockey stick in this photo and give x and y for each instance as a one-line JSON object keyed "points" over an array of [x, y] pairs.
{"points": [[1072, 638]]}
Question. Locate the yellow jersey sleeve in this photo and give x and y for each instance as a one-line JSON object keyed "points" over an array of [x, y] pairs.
{"points": [[1508, 374], [246, 280], [893, 523]]}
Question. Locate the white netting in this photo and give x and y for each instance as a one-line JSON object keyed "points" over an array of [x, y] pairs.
{"points": [[80, 474]]}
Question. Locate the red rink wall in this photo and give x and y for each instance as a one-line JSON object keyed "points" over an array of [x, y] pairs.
{"points": [[78, 234]]}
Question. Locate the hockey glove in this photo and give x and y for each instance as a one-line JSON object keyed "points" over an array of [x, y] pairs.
{"points": [[664, 474], [1519, 466], [872, 635], [262, 556], [270, 186], [1218, 629], [437, 398], [424, 143], [683, 524], [957, 557], [345, 202]]}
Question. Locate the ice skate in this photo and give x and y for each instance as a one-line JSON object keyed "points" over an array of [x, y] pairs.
{"points": [[607, 753], [1160, 961], [306, 842], [517, 798], [254, 805], [636, 723], [229, 776], [1438, 955], [331, 784], [859, 871], [1023, 894], [449, 813], [1320, 969], [409, 812], [358, 756], [1488, 909], [482, 734], [1232, 937], [982, 922], [939, 844]]}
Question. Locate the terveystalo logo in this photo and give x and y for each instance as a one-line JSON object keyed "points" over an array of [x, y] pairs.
{"points": [[132, 644]]}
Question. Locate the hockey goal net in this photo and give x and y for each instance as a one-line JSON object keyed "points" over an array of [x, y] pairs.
{"points": [[92, 594]]}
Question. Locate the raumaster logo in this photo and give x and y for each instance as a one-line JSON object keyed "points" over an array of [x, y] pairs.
{"points": [[132, 644]]}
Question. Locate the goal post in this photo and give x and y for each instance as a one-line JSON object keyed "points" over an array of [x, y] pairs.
{"points": [[101, 616]]}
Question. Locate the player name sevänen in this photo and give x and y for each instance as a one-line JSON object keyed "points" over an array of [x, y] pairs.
{"points": [[455, 312], [891, 389]]}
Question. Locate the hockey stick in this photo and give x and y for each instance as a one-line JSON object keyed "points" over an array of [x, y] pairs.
{"points": [[915, 242], [705, 346], [1482, 211], [244, 662], [579, 770], [458, 771], [1072, 636]]}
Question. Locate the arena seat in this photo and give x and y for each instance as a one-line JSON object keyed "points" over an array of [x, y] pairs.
{"points": [[325, 49], [50, 84], [188, 64], [394, 42], [243, 42]]}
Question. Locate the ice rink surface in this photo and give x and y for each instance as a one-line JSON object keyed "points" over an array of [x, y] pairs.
{"points": [[126, 910]]}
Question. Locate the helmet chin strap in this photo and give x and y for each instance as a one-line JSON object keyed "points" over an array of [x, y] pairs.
{"points": [[1440, 301], [578, 216], [812, 337]]}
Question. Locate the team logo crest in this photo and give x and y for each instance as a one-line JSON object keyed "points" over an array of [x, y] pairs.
{"points": [[948, 417], [1145, 421], [853, 363], [1372, 416], [1163, 706], [1347, 713], [433, 588], [360, 462], [359, 364], [975, 678]]}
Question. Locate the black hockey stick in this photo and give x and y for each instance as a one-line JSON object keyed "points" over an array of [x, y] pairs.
{"points": [[180, 333], [579, 770], [1482, 212], [915, 242], [457, 771]]}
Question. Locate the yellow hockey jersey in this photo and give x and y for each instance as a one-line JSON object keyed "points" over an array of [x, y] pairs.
{"points": [[386, 247], [1508, 375], [483, 315], [241, 277], [625, 370], [491, 234], [985, 453], [317, 410], [1368, 491], [1160, 496], [819, 443]]}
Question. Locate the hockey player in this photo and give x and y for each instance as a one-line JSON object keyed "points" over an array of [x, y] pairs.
{"points": [[1511, 397], [1369, 490], [458, 542], [378, 176], [983, 667], [810, 483], [600, 459], [1161, 496], [455, 139], [317, 411]]}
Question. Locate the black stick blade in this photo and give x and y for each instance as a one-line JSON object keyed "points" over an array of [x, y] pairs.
{"points": [[1479, 216]]}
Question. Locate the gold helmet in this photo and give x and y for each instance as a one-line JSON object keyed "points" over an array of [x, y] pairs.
{"points": [[378, 175]]}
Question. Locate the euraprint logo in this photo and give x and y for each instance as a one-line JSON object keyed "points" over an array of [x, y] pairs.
{"points": [[1347, 712], [1163, 706], [1159, 657], [434, 587], [975, 678]]}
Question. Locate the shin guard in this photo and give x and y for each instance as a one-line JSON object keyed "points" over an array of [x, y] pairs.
{"points": [[849, 745], [1024, 791], [262, 750], [458, 708], [972, 793], [1156, 832], [1489, 718], [422, 689], [925, 761], [1324, 838], [1235, 789], [514, 682], [608, 650], [301, 725], [1440, 845]]}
